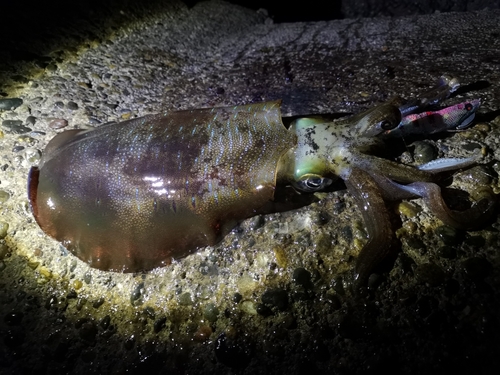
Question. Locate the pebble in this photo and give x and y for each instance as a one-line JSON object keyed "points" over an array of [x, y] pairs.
{"points": [[30, 120], [408, 209], [94, 121], [302, 277], [211, 312], [72, 106], [237, 297], [159, 324], [33, 156], [4, 227], [150, 312], [87, 277], [17, 148], [80, 303], [255, 222], [10, 103], [104, 323], [447, 252], [129, 343], [15, 127], [263, 310], [77, 284], [424, 152], [203, 333], [4, 251], [136, 295], [450, 236], [58, 123], [185, 299], [248, 307], [98, 303], [4, 196], [276, 297]]}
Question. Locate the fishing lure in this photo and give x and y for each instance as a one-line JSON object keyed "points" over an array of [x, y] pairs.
{"points": [[455, 118]]}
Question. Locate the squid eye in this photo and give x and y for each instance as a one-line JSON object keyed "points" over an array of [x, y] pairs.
{"points": [[312, 183], [387, 125]]}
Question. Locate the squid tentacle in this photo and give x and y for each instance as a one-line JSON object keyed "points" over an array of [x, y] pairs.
{"points": [[381, 238], [469, 219]]}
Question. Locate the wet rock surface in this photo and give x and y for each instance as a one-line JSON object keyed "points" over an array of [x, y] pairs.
{"points": [[274, 296]]}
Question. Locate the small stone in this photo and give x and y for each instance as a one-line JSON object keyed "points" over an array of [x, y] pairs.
{"points": [[276, 297], [408, 209], [248, 307], [129, 343], [263, 310], [4, 227], [45, 272], [246, 284], [26, 139], [203, 333], [104, 323], [71, 294], [424, 152], [15, 127], [136, 295], [87, 277], [94, 121], [72, 106], [150, 312], [58, 123], [415, 243], [77, 284], [185, 299], [237, 297], [450, 236], [80, 303], [447, 252], [98, 303], [4, 196], [211, 312], [10, 103], [17, 148], [33, 155], [30, 120], [4, 251], [159, 324], [302, 277]]}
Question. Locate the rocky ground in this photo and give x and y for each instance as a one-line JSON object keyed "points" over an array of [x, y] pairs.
{"points": [[273, 296]]}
